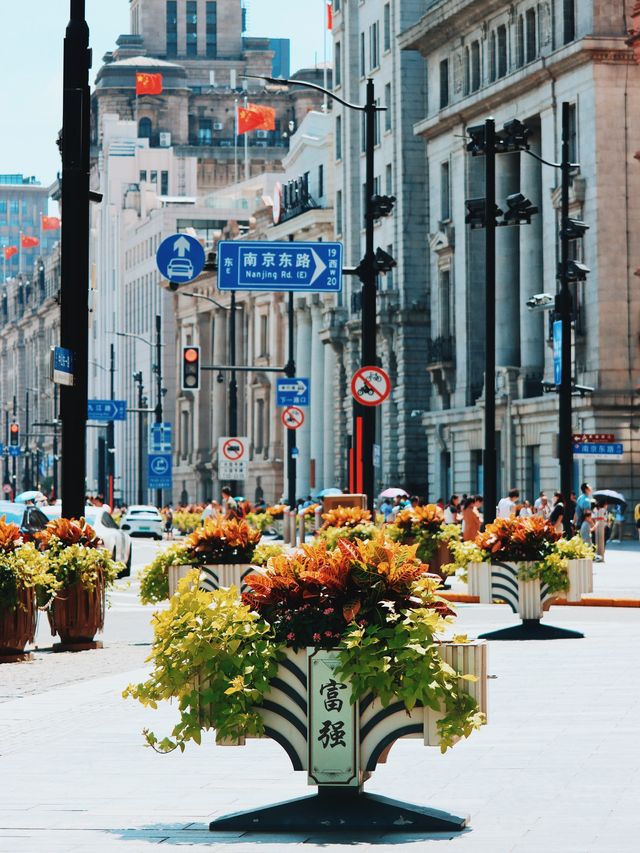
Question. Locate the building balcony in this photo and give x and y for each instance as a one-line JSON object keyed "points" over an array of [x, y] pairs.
{"points": [[441, 351]]}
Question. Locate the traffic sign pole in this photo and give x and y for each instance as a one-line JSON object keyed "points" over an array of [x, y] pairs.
{"points": [[290, 371]]}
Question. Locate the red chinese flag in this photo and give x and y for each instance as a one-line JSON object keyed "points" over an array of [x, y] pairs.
{"points": [[9, 252], [148, 84], [50, 223], [329, 15], [255, 117], [29, 242]]}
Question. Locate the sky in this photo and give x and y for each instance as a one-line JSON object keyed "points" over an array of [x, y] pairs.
{"points": [[31, 41]]}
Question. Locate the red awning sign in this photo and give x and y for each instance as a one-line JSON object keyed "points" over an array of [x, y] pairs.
{"points": [[370, 386], [292, 417], [233, 449]]}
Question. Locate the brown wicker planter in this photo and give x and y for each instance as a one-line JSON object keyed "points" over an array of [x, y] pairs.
{"points": [[18, 627], [76, 615], [441, 557]]}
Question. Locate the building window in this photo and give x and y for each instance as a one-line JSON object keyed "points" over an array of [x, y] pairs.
{"points": [[144, 128], [445, 192], [444, 83], [205, 132], [143, 175], [153, 177], [363, 66], [320, 181], [376, 125], [212, 29], [259, 431], [192, 28], [573, 133], [339, 212], [466, 82], [531, 39], [337, 65], [492, 58], [388, 179], [387, 103], [390, 273], [502, 51], [374, 45], [264, 335], [185, 434], [532, 474], [387, 26], [568, 20], [172, 28], [520, 42], [338, 137], [445, 303], [475, 66], [164, 183]]}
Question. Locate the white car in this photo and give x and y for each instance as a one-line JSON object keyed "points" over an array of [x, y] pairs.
{"points": [[140, 520], [117, 541]]}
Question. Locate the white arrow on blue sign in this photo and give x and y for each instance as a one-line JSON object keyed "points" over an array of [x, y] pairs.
{"points": [[180, 258], [292, 391], [107, 410], [159, 471], [270, 266]]}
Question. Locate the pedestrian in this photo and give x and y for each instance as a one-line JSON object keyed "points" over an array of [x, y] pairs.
{"points": [[525, 510], [452, 512], [543, 509], [571, 509], [636, 518], [538, 502], [557, 513], [602, 529], [168, 521], [585, 501], [207, 512], [507, 506], [471, 518], [587, 527], [618, 523], [229, 503], [386, 508]]}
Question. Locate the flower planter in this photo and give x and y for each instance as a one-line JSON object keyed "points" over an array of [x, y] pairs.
{"points": [[18, 627], [76, 615], [479, 581], [580, 579], [212, 577], [441, 557]]}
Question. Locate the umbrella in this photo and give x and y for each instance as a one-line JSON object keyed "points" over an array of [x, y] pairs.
{"points": [[327, 493], [394, 493], [25, 497], [611, 497]]}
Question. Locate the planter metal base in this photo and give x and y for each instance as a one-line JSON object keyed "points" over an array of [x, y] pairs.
{"points": [[532, 629], [340, 809], [85, 646], [15, 657]]}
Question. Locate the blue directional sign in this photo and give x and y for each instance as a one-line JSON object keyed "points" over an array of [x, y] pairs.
{"points": [[292, 391], [159, 474], [62, 368], [107, 410], [557, 352], [14, 451], [309, 267], [180, 258], [606, 449], [160, 438]]}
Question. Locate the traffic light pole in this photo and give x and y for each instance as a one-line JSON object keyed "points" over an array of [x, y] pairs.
{"points": [[489, 456], [55, 441], [6, 446], [290, 371], [111, 450], [74, 295], [26, 474], [14, 479], [137, 378], [233, 382], [158, 409], [565, 308]]}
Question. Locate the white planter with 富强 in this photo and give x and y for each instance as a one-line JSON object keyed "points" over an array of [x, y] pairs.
{"points": [[479, 581], [212, 577]]}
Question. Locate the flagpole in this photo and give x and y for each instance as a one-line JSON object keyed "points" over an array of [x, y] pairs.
{"points": [[20, 254], [246, 147], [235, 140], [324, 70]]}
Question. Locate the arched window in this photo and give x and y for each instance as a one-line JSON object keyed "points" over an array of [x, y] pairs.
{"points": [[144, 128]]}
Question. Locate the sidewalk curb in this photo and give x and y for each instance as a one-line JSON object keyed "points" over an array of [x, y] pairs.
{"points": [[461, 598]]}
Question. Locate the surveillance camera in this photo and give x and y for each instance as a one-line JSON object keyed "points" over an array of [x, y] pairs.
{"points": [[541, 302], [415, 413], [220, 378]]}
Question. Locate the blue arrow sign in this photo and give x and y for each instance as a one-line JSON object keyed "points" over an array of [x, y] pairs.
{"points": [[107, 410], [180, 258], [588, 448], [309, 267], [292, 391], [159, 471]]}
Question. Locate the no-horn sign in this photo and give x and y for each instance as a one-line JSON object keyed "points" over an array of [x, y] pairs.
{"points": [[292, 417], [370, 386]]}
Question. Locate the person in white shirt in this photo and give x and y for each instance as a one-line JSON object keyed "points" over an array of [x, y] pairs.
{"points": [[507, 506], [452, 510]]}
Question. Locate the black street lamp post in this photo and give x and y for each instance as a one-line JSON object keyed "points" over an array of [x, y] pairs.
{"points": [[489, 454], [159, 388], [111, 449], [142, 404]]}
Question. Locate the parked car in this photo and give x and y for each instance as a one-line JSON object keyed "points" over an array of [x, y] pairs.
{"points": [[141, 520], [117, 541], [30, 519]]}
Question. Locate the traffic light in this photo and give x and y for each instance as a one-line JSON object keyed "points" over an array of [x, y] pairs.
{"points": [[190, 368], [382, 205], [14, 435], [476, 213], [519, 210]]}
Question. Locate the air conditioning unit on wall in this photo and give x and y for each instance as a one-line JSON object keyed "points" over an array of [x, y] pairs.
{"points": [[218, 125], [164, 140]]}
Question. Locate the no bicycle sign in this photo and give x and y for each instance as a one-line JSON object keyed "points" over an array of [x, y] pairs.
{"points": [[370, 386]]}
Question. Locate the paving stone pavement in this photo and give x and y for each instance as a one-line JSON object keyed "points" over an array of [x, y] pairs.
{"points": [[557, 770]]}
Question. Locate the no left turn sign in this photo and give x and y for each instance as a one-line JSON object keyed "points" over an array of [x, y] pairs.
{"points": [[292, 417], [370, 386]]}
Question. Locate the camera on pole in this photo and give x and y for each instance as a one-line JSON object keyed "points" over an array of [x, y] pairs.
{"points": [[190, 368], [382, 205]]}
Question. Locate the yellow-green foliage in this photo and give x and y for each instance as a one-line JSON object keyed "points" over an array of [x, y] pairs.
{"points": [[23, 567], [154, 580], [264, 552], [331, 535], [74, 563], [186, 522]]}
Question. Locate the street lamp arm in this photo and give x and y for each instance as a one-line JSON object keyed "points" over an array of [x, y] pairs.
{"points": [[202, 296], [133, 335], [307, 85], [548, 163]]}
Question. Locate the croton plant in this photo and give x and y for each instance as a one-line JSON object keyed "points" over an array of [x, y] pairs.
{"points": [[21, 565], [75, 553], [222, 540]]}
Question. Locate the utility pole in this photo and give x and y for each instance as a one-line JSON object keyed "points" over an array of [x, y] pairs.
{"points": [[74, 294], [158, 409], [6, 445], [290, 371], [111, 450], [56, 420], [233, 384], [489, 456], [142, 403], [14, 479], [564, 308], [26, 474]]}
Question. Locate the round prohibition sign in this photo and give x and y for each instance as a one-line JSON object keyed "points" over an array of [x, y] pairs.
{"points": [[292, 417], [370, 386], [233, 449]]}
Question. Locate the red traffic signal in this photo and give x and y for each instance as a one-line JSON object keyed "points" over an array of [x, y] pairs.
{"points": [[14, 435], [190, 368]]}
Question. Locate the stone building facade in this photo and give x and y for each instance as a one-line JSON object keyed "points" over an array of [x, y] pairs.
{"points": [[365, 46], [522, 60]]}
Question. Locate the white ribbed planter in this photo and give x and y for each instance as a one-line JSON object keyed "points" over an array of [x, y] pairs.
{"points": [[479, 581], [529, 604], [212, 577], [580, 579]]}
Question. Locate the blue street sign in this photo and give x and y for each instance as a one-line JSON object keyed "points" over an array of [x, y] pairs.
{"points": [[160, 438], [107, 410], [14, 451], [159, 474], [292, 391], [62, 370], [557, 352], [585, 448], [180, 258], [309, 267]]}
